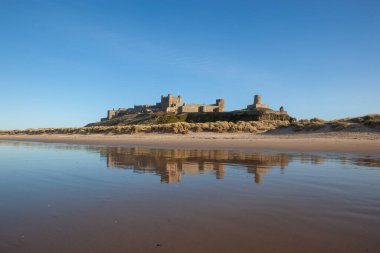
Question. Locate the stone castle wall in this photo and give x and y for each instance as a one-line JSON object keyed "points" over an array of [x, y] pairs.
{"points": [[190, 108]]}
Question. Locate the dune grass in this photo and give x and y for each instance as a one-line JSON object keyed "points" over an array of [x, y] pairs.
{"points": [[176, 128], [176, 125]]}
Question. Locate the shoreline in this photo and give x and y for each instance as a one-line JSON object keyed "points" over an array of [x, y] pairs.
{"points": [[354, 143]]}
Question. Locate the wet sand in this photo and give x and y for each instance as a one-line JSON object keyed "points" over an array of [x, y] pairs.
{"points": [[87, 198], [355, 143]]}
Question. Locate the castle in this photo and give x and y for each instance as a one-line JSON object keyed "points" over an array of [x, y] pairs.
{"points": [[174, 105], [168, 104]]}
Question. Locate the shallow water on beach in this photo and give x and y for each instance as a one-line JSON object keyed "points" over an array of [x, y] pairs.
{"points": [[74, 198]]}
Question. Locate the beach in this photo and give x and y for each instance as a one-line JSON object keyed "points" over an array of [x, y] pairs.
{"points": [[332, 142]]}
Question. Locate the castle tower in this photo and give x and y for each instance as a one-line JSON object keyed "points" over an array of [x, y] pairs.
{"points": [[111, 114], [220, 104], [257, 100], [257, 104]]}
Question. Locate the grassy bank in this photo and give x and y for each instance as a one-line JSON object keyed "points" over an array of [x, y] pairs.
{"points": [[368, 123]]}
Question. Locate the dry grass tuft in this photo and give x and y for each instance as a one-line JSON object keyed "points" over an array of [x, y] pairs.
{"points": [[369, 122]]}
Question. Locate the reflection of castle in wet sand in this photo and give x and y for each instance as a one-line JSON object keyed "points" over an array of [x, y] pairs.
{"points": [[172, 165]]}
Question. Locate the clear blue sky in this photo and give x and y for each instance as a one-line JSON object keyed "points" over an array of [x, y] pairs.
{"points": [[64, 63]]}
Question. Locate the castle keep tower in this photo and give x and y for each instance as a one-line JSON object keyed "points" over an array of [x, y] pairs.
{"points": [[170, 103]]}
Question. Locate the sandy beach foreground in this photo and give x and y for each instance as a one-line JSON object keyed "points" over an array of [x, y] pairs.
{"points": [[355, 143]]}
